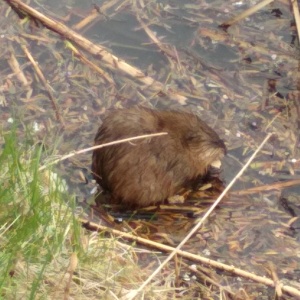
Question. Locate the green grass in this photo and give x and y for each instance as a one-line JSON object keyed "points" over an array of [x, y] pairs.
{"points": [[45, 253], [37, 220]]}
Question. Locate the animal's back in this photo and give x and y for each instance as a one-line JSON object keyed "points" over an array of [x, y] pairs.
{"points": [[149, 171]]}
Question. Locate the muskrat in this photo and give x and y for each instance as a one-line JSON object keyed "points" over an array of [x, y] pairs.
{"points": [[149, 171]]}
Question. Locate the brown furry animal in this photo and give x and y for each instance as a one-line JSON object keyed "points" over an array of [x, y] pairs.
{"points": [[148, 171]]}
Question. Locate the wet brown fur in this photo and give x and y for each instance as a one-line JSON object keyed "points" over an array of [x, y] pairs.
{"points": [[149, 171]]}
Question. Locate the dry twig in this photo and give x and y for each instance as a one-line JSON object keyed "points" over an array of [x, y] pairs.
{"points": [[100, 146], [246, 13], [297, 16]]}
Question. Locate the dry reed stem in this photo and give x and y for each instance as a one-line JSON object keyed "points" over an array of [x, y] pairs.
{"points": [[297, 20], [187, 255], [71, 269], [134, 293], [15, 67], [219, 36], [109, 4], [111, 60], [100, 146], [86, 61], [246, 13], [87, 20], [267, 187], [43, 80], [155, 40], [278, 285], [297, 16]]}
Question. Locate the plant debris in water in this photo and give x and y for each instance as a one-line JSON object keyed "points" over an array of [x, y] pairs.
{"points": [[235, 65]]}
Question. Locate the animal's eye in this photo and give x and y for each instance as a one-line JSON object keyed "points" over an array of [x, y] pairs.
{"points": [[193, 138]]}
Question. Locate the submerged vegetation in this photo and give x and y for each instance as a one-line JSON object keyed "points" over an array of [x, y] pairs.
{"points": [[235, 66]]}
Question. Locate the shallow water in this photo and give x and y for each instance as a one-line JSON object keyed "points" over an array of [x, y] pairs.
{"points": [[243, 82]]}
